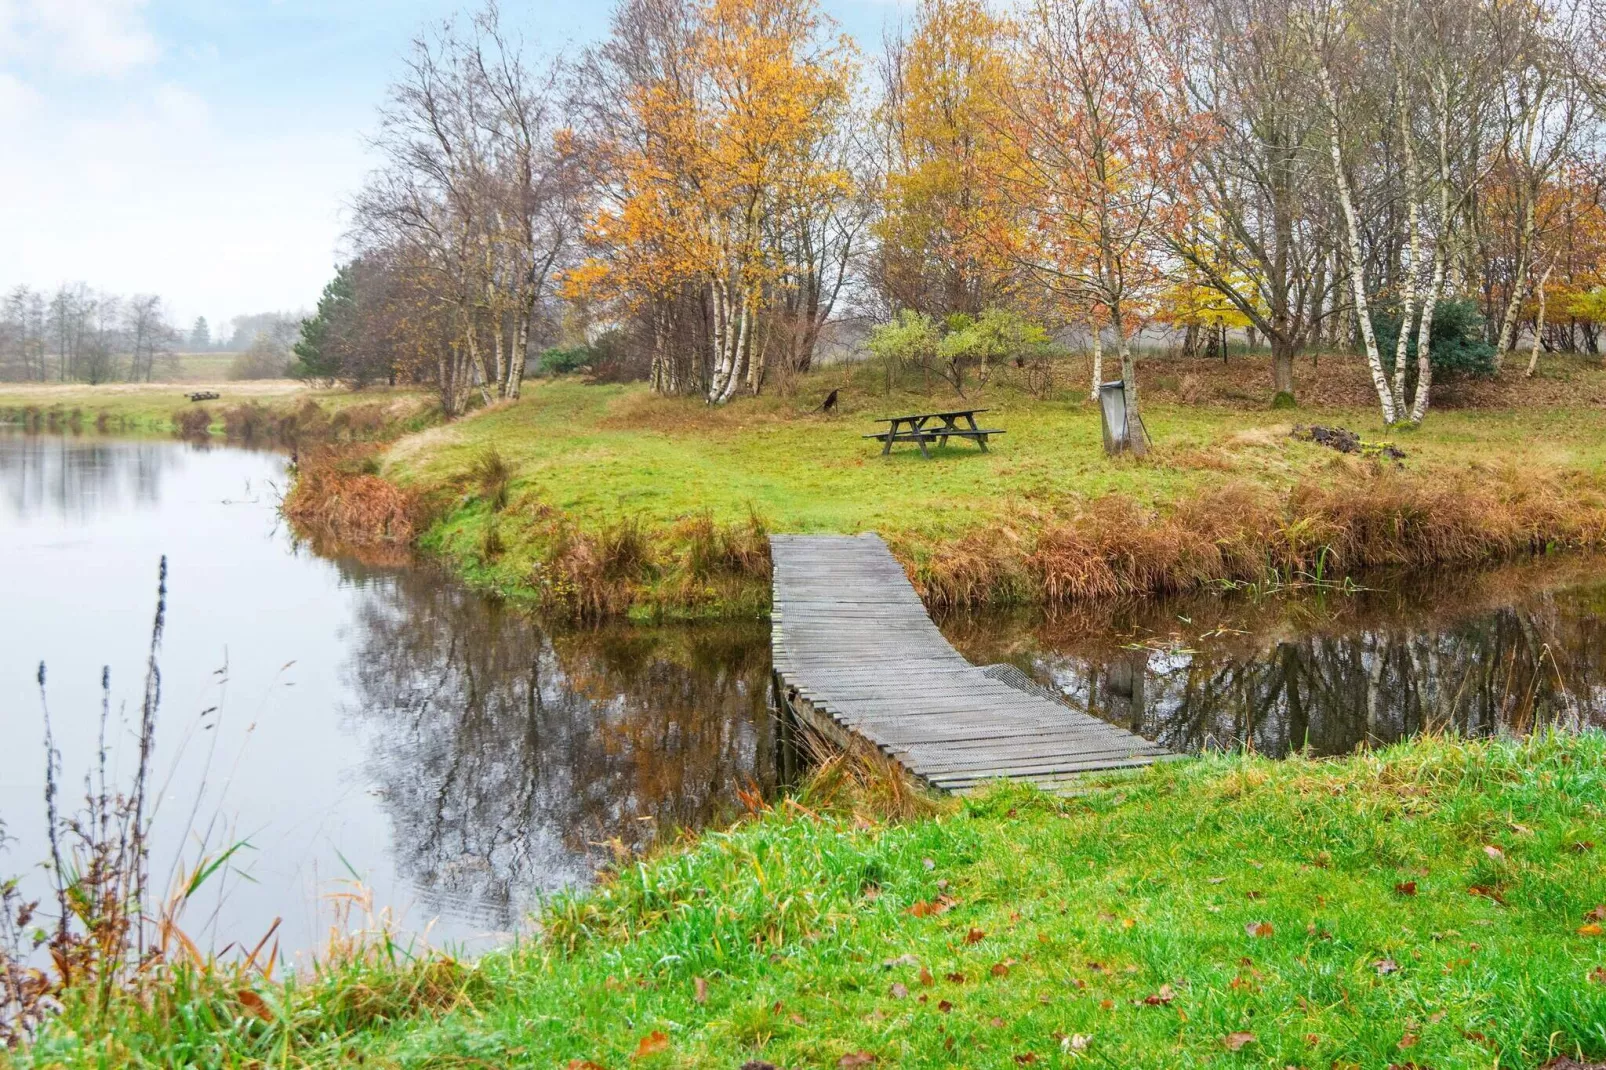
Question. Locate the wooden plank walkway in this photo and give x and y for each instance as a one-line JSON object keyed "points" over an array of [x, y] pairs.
{"points": [[857, 654]]}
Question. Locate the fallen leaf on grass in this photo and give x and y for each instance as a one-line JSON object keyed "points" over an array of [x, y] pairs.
{"points": [[1164, 996], [1598, 975], [1237, 1041], [944, 1006], [901, 960], [996, 1023], [1487, 893], [254, 1005], [956, 978], [652, 1044], [1494, 852], [699, 990], [758, 1064], [1409, 1040], [1598, 914], [855, 1058], [1581, 846], [1406, 888], [1258, 928], [1384, 966], [1592, 929], [1000, 970], [925, 976], [928, 908], [1076, 1042], [584, 1064], [1026, 1057], [975, 936], [899, 991]]}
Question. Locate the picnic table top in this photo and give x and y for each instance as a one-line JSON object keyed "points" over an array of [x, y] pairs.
{"points": [[928, 415]]}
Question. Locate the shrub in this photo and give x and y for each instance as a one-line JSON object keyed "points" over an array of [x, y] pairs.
{"points": [[1458, 348], [566, 360], [193, 422]]}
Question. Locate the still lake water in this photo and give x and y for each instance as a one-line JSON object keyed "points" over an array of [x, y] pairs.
{"points": [[389, 726]]}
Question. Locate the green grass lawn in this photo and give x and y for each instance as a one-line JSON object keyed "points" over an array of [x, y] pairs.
{"points": [[1437, 904], [600, 452], [609, 457]]}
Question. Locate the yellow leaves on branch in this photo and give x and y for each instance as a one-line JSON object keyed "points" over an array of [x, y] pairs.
{"points": [[723, 136], [943, 117]]}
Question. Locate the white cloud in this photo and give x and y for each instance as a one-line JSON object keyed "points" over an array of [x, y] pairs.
{"points": [[17, 100], [94, 37]]}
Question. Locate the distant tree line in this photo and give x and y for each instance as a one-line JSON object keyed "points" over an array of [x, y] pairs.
{"points": [[82, 335], [79, 334], [704, 189]]}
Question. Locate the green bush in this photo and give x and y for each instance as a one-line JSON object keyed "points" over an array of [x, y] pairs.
{"points": [[566, 360], [1458, 347]]}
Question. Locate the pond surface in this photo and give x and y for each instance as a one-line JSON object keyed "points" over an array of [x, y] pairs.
{"points": [[385, 725], [345, 722], [1499, 652]]}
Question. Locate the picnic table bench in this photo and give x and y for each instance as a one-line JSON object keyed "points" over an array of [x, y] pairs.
{"points": [[921, 428]]}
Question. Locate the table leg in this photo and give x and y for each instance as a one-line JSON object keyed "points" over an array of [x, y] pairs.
{"points": [[887, 447], [982, 440]]}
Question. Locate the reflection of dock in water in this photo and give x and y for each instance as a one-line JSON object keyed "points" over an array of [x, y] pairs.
{"points": [[856, 654]]}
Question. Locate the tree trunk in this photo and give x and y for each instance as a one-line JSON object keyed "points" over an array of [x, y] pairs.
{"points": [[1137, 435], [1098, 358], [1282, 366], [1539, 321], [1519, 289], [1357, 264]]}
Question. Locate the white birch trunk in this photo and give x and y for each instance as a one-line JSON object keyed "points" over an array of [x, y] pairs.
{"points": [[1424, 333], [1413, 238], [1539, 321], [1363, 310], [1098, 358]]}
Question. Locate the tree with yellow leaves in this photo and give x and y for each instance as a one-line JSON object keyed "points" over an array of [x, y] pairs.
{"points": [[722, 109], [942, 108]]}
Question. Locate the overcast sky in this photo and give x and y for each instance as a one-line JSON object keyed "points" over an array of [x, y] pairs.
{"points": [[204, 150]]}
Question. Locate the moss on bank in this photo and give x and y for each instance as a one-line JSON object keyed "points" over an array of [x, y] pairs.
{"points": [[1435, 904]]}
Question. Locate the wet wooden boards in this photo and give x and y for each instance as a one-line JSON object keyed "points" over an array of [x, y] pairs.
{"points": [[857, 654]]}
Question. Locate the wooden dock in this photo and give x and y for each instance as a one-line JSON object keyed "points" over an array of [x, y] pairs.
{"points": [[857, 655]]}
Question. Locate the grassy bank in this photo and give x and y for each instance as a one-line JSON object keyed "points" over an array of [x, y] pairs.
{"points": [[596, 499], [1436, 904], [164, 408]]}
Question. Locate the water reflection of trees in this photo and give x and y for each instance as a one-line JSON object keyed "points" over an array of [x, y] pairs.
{"points": [[1368, 677], [78, 478], [512, 762]]}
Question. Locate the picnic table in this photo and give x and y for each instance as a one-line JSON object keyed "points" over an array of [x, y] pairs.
{"points": [[922, 427]]}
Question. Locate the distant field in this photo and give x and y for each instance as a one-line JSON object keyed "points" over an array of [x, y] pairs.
{"points": [[200, 367], [150, 407]]}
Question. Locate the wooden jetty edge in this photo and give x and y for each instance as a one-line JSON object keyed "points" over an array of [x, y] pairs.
{"points": [[856, 654]]}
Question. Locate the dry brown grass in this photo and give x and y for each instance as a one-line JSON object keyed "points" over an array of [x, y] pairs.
{"points": [[192, 422], [1361, 516], [340, 504]]}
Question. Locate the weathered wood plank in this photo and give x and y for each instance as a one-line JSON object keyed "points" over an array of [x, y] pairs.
{"points": [[856, 651]]}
